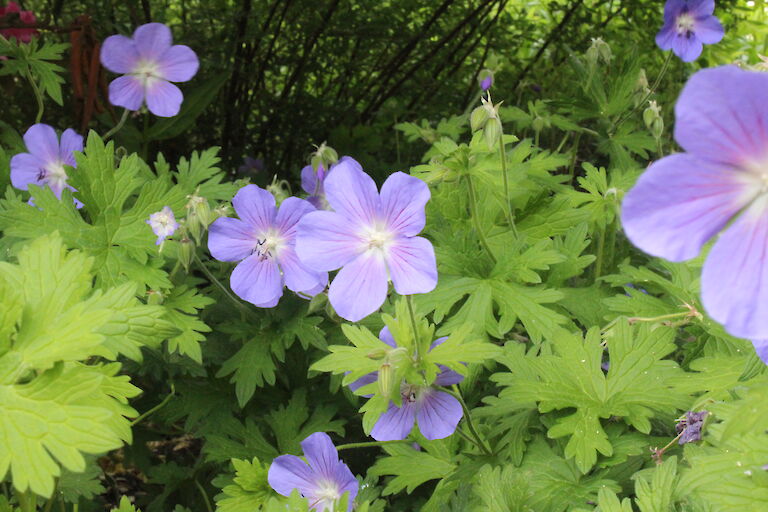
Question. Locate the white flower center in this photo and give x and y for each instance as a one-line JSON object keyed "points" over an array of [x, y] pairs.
{"points": [[269, 243], [163, 223], [147, 71], [54, 175], [377, 237], [326, 496], [685, 23]]}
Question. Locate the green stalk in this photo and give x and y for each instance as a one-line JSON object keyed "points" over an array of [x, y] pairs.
{"points": [[600, 251], [468, 419], [27, 501], [507, 202], [369, 444], [38, 95], [204, 494], [218, 283], [409, 302], [156, 408], [476, 219], [648, 95], [118, 126]]}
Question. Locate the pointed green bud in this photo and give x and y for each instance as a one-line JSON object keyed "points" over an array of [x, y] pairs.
{"points": [[155, 297], [492, 132], [377, 354], [280, 189], [385, 379], [186, 252], [478, 118]]}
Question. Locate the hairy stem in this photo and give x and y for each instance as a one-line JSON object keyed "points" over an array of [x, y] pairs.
{"points": [[369, 444], [503, 158], [414, 327], [118, 126], [219, 284], [476, 219], [38, 95], [468, 419], [155, 408]]}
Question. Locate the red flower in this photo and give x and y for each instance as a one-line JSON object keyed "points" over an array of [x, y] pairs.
{"points": [[23, 35]]}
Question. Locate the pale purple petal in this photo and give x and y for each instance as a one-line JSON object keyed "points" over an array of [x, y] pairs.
{"points": [[231, 239], [396, 423], [163, 98], [734, 281], [672, 8], [761, 348], [126, 92], [352, 193], [666, 37], [386, 336], [309, 182], [41, 140], [257, 280], [178, 64], [25, 170], [412, 265], [438, 414], [299, 278], [680, 202], [321, 454], [722, 114], [687, 48], [359, 288], [255, 206], [447, 377], [71, 141], [403, 198], [709, 30], [289, 472], [119, 55], [326, 241], [152, 40], [290, 213], [364, 381], [700, 8]]}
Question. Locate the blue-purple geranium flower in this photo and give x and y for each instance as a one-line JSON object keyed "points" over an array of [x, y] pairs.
{"points": [[719, 184], [436, 412], [163, 224], [263, 242], [149, 62], [371, 236], [44, 163], [312, 182], [322, 479], [688, 26]]}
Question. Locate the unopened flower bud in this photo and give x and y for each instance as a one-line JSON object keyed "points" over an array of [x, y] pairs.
{"points": [[478, 118], [280, 189], [653, 119], [385, 379], [324, 156], [486, 79], [223, 210], [599, 49], [492, 132], [377, 354], [538, 124], [155, 297], [186, 252]]}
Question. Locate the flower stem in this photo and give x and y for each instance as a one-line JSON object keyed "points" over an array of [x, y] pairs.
{"points": [[468, 417], [476, 219], [157, 407], [118, 126], [648, 95], [507, 203], [38, 95], [369, 444], [409, 302], [204, 494], [27, 501], [218, 283], [635, 319], [600, 254]]}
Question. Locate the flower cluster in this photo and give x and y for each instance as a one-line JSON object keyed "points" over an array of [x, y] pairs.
{"points": [[436, 412], [371, 237], [21, 34]]}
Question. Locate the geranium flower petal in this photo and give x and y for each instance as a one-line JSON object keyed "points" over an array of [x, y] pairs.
{"points": [[352, 193], [178, 63], [386, 336], [734, 281], [163, 98], [666, 37], [396, 423], [321, 454], [709, 30], [257, 280], [126, 92], [255, 206], [289, 472], [71, 141], [403, 198], [41, 140], [119, 54], [438, 415], [231, 239], [412, 265], [299, 278], [359, 288], [25, 169], [722, 115], [152, 40], [290, 213], [700, 8], [309, 180], [326, 241], [680, 202]]}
